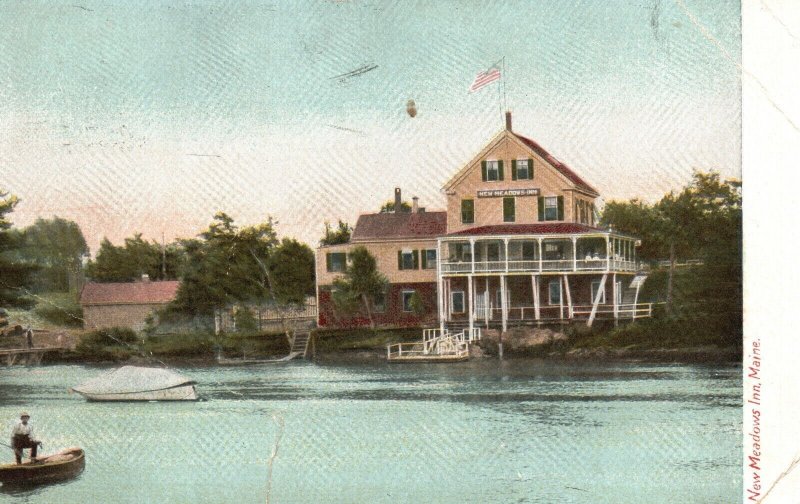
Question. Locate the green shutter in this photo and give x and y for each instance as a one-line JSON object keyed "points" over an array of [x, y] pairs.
{"points": [[500, 169], [328, 262], [508, 209], [424, 259], [561, 208], [399, 259], [483, 171], [541, 208], [416, 259], [530, 169], [513, 169]]}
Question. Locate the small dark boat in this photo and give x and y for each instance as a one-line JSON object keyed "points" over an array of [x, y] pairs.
{"points": [[51, 468]]}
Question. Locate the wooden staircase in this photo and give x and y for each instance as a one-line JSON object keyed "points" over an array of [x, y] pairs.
{"points": [[300, 344]]}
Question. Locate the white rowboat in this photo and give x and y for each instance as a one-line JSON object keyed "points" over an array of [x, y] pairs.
{"points": [[133, 383]]}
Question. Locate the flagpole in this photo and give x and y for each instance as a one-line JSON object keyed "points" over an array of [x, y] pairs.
{"points": [[505, 103]]}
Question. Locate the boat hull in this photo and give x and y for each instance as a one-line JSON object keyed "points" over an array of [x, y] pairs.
{"points": [[42, 472], [185, 392]]}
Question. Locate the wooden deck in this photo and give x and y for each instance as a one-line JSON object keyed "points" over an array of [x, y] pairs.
{"points": [[28, 356]]}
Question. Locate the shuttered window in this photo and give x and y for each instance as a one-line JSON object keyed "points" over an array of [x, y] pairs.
{"points": [[429, 259], [522, 169], [551, 208]]}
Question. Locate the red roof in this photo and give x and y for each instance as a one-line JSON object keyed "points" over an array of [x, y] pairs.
{"points": [[558, 165], [529, 229], [390, 225], [146, 292]]}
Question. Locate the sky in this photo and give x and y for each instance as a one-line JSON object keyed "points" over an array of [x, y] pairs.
{"points": [[152, 116]]}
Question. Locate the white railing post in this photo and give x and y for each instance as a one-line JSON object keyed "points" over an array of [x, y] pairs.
{"points": [[472, 254], [574, 253], [608, 255], [505, 241], [540, 254]]}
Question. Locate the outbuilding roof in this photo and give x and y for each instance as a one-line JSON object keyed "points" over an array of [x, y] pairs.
{"points": [[146, 292], [390, 225], [529, 229]]}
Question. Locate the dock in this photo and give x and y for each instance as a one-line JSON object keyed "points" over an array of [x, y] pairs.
{"points": [[436, 346], [28, 356]]}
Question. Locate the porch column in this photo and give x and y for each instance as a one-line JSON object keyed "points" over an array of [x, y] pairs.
{"points": [[535, 284], [505, 240], [447, 300], [540, 255], [569, 296], [608, 254], [614, 291], [574, 254], [472, 254], [596, 300], [486, 303], [560, 302], [439, 285], [470, 312], [503, 303]]}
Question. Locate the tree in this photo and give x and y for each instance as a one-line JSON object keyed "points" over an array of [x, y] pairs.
{"points": [[704, 221], [135, 258], [388, 207], [336, 236], [291, 267], [226, 265], [57, 247], [361, 280], [15, 275]]}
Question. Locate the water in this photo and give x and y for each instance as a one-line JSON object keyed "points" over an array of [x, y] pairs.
{"points": [[484, 432]]}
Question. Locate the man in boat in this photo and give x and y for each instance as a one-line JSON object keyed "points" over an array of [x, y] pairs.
{"points": [[22, 437]]}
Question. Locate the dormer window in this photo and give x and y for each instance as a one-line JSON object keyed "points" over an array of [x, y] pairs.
{"points": [[492, 171]]}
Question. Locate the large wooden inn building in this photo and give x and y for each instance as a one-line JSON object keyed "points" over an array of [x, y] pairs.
{"points": [[518, 244]]}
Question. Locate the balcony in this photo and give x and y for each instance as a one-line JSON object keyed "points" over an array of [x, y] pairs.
{"points": [[602, 253], [534, 266]]}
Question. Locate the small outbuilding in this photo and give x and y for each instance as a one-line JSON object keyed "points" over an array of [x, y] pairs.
{"points": [[124, 304]]}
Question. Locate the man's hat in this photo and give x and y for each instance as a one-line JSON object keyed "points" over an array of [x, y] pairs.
{"points": [[24, 414]]}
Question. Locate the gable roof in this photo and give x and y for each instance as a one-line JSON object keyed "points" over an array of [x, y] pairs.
{"points": [[391, 225], [562, 168], [95, 293], [558, 165]]}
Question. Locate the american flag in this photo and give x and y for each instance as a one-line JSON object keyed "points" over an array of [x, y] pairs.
{"points": [[484, 78]]}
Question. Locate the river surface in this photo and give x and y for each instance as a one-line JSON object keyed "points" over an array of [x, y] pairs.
{"points": [[484, 432]]}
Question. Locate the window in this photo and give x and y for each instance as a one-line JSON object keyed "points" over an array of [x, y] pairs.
{"points": [[407, 259], [429, 259], [492, 251], [522, 169], [406, 296], [528, 251], [553, 251], [551, 208], [457, 302], [379, 302], [492, 171], [467, 211], [336, 262], [555, 292], [499, 298], [508, 209], [595, 287]]}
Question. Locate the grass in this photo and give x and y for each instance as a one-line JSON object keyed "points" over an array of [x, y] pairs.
{"points": [[337, 340], [120, 344], [52, 311]]}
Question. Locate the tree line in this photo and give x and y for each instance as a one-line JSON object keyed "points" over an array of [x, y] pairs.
{"points": [[225, 264]]}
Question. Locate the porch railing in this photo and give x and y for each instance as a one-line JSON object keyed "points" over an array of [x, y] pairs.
{"points": [[554, 312], [549, 265]]}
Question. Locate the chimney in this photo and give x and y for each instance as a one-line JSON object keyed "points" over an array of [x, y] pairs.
{"points": [[398, 201], [508, 120], [415, 205]]}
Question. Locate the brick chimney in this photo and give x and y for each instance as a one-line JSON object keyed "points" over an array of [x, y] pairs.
{"points": [[398, 201], [415, 205], [508, 120]]}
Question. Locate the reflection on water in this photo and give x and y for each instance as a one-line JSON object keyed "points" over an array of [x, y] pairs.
{"points": [[482, 431]]}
